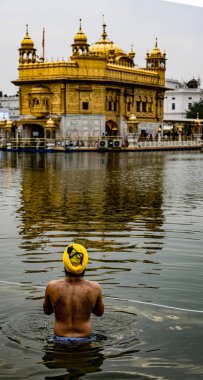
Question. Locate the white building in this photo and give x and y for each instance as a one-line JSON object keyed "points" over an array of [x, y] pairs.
{"points": [[179, 97], [9, 107]]}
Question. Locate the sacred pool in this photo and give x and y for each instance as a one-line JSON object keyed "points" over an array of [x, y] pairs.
{"points": [[140, 215]]}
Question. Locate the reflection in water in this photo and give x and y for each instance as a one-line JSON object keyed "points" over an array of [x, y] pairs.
{"points": [[86, 193], [78, 361]]}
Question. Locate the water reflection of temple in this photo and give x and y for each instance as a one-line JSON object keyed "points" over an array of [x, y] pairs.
{"points": [[78, 193]]}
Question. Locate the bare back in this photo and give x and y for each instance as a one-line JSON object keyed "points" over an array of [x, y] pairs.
{"points": [[72, 300]]}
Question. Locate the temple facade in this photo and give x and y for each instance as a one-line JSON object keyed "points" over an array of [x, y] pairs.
{"points": [[98, 91]]}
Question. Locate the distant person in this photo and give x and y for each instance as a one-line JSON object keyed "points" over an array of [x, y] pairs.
{"points": [[73, 299]]}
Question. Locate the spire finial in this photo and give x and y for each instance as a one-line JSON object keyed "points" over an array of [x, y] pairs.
{"points": [[43, 44], [80, 28], [26, 28], [104, 35], [156, 44]]}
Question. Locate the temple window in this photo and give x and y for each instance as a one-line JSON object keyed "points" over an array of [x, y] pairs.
{"points": [[109, 105], [85, 105], [35, 102], [150, 107], [138, 106], [45, 103], [144, 106]]}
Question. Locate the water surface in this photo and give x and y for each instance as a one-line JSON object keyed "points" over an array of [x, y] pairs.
{"points": [[141, 217]]}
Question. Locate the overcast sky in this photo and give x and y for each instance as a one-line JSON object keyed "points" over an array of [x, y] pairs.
{"points": [[178, 28]]}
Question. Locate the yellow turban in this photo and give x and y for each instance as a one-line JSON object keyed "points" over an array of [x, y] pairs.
{"points": [[75, 258]]}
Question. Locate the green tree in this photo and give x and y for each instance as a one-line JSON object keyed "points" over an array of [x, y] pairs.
{"points": [[196, 108]]}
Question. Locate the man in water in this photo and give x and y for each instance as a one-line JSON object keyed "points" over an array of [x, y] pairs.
{"points": [[73, 299]]}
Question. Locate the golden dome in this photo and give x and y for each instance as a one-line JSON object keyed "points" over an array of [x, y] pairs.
{"points": [[3, 121], [156, 52], [132, 118], [131, 54], [80, 37], [27, 42], [103, 46], [9, 123], [50, 123]]}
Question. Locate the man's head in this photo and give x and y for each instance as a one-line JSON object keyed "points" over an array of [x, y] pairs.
{"points": [[75, 258]]}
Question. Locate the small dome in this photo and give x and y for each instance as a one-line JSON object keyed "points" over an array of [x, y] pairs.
{"points": [[80, 37], [50, 123], [156, 52], [132, 118], [27, 41], [193, 83], [9, 123], [131, 54], [3, 121]]}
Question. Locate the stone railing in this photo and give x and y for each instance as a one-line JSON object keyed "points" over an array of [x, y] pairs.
{"points": [[95, 143], [169, 143]]}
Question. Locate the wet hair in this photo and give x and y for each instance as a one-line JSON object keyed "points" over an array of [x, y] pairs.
{"points": [[70, 274]]}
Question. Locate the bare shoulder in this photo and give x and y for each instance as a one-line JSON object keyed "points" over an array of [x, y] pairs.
{"points": [[53, 284], [93, 285]]}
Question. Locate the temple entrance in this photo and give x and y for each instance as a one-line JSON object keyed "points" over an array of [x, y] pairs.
{"points": [[37, 131], [34, 131], [111, 128]]}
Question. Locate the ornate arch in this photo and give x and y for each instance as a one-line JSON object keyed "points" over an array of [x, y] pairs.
{"points": [[111, 128]]}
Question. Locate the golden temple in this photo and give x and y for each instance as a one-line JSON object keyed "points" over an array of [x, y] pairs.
{"points": [[98, 91]]}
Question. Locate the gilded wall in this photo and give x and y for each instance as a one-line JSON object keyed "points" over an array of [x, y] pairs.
{"points": [[98, 84]]}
